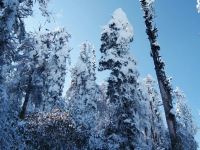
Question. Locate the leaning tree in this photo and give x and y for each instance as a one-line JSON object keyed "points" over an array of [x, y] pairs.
{"points": [[163, 82]]}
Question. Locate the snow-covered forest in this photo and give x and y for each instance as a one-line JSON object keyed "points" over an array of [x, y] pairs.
{"points": [[125, 112]]}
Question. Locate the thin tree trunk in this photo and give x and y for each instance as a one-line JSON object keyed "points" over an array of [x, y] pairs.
{"points": [[27, 95], [163, 82]]}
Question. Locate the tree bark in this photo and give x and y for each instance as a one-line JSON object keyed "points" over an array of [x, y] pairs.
{"points": [[164, 86], [27, 95]]}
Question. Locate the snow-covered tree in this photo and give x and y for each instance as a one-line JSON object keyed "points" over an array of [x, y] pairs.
{"points": [[123, 131], [55, 57], [144, 118], [43, 67], [158, 130], [83, 93], [186, 128], [163, 82], [12, 15], [12, 32]]}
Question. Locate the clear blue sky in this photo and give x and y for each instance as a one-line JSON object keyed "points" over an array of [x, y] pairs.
{"points": [[179, 36]]}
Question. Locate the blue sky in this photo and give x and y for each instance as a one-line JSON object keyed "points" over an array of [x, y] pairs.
{"points": [[179, 36]]}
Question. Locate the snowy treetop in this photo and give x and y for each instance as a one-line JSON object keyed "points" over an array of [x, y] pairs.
{"points": [[121, 22], [85, 66], [85, 57], [86, 51]]}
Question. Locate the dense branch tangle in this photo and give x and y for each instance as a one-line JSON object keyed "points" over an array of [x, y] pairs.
{"points": [[164, 85]]}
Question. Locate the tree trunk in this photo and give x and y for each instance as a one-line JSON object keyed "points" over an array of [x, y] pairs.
{"points": [[163, 82], [27, 95]]}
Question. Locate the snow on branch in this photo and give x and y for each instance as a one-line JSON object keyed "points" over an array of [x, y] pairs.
{"points": [[198, 6]]}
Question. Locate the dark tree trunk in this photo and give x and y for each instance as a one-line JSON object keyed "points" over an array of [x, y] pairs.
{"points": [[27, 95], [165, 88]]}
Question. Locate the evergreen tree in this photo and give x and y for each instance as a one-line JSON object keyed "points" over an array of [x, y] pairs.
{"points": [[123, 131], [44, 57], [144, 119], [55, 57], [83, 93], [12, 32], [158, 130], [186, 129], [12, 29]]}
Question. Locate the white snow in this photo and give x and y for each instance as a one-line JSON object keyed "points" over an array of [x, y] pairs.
{"points": [[172, 111], [120, 20], [150, 1], [198, 6]]}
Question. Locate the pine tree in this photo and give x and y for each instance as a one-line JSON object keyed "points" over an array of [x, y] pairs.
{"points": [[123, 131], [56, 54], [144, 119], [158, 130], [83, 93], [163, 82], [186, 129]]}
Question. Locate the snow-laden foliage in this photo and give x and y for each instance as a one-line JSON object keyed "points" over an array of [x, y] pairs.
{"points": [[8, 122], [43, 6], [84, 97], [144, 118], [12, 15], [83, 93], [12, 32], [53, 56], [186, 128], [116, 36], [123, 131], [158, 130], [42, 65], [53, 130], [198, 6], [149, 2], [122, 113], [35, 79]]}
